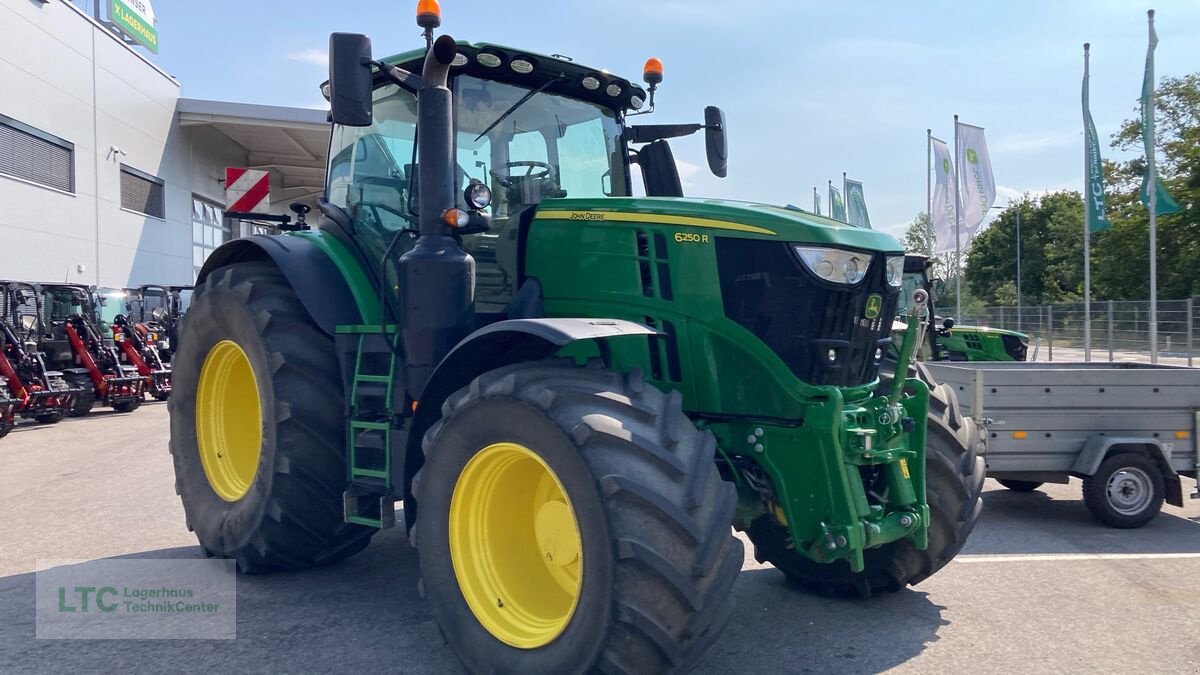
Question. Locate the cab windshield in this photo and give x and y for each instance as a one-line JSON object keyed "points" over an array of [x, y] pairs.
{"points": [[547, 147]]}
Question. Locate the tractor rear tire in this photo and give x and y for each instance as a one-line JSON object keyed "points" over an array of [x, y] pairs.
{"points": [[283, 441], [954, 474], [1020, 485], [84, 400], [649, 524]]}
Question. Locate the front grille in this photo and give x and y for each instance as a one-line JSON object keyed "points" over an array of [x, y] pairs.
{"points": [[768, 291]]}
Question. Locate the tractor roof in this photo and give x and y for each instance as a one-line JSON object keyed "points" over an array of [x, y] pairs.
{"points": [[496, 62]]}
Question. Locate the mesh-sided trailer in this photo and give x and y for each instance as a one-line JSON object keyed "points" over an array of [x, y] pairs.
{"points": [[1127, 429]]}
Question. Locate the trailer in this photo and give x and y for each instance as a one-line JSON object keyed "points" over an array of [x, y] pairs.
{"points": [[1127, 429]]}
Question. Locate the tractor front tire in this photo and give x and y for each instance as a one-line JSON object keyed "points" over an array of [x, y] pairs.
{"points": [[257, 433], [128, 406], [84, 400], [53, 417], [573, 519], [954, 474]]}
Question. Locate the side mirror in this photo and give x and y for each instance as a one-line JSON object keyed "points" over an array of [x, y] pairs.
{"points": [[716, 142], [939, 286], [158, 314], [948, 323], [350, 79]]}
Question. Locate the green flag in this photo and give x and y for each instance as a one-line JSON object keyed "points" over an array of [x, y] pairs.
{"points": [[837, 210], [1163, 202], [1094, 199], [857, 204]]}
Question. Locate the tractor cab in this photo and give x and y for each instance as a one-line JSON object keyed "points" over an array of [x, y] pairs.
{"points": [[527, 128]]}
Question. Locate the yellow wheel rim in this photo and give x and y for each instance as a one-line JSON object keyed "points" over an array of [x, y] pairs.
{"points": [[515, 545], [228, 421]]}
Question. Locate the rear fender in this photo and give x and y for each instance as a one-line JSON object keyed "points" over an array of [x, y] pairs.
{"points": [[500, 344], [1099, 447], [307, 262]]}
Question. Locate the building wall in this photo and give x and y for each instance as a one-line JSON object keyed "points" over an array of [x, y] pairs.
{"points": [[79, 82]]}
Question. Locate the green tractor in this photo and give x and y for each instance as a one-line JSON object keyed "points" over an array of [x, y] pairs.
{"points": [[574, 393], [949, 341]]}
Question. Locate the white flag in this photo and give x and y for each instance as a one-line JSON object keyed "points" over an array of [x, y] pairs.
{"points": [[943, 198], [975, 172]]}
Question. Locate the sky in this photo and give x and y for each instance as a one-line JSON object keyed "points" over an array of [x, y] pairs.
{"points": [[809, 89]]}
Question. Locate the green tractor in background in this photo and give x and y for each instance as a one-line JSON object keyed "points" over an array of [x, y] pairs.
{"points": [[948, 341], [574, 392]]}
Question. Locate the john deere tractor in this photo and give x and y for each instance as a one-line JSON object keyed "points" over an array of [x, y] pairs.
{"points": [[947, 340], [574, 393]]}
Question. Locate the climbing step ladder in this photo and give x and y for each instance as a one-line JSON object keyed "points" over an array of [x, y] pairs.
{"points": [[372, 423]]}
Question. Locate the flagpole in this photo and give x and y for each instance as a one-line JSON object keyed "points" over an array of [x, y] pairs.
{"points": [[816, 204], [928, 172], [1152, 190], [957, 233], [845, 198], [1087, 224]]}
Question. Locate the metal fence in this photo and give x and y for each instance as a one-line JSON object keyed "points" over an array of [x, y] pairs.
{"points": [[1120, 329]]}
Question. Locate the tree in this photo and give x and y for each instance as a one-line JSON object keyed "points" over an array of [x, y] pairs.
{"points": [[1051, 253], [1120, 255], [919, 239], [1052, 226]]}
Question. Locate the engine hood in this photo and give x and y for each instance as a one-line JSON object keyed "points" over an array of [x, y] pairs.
{"points": [[724, 218]]}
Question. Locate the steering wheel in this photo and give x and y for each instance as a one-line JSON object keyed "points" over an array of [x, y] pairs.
{"points": [[508, 179]]}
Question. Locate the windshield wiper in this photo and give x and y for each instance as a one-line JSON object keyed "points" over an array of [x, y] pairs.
{"points": [[518, 104]]}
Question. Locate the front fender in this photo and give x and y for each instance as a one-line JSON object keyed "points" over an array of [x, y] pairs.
{"points": [[500, 344]]}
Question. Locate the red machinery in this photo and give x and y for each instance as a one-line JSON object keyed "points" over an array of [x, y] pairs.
{"points": [[138, 348], [112, 384], [28, 388]]}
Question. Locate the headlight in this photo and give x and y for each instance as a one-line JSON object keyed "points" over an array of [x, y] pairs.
{"points": [[478, 196], [895, 270], [836, 265]]}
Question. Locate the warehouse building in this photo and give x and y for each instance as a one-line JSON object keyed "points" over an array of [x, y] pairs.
{"points": [[107, 175]]}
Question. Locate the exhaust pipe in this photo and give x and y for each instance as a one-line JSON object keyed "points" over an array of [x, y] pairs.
{"points": [[437, 276]]}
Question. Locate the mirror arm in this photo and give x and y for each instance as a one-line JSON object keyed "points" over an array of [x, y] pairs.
{"points": [[646, 133], [410, 82]]}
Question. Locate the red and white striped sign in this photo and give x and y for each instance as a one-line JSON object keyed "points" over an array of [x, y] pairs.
{"points": [[247, 191]]}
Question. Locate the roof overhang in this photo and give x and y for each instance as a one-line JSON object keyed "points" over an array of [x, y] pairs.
{"points": [[291, 143]]}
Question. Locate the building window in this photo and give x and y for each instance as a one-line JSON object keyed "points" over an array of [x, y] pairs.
{"points": [[142, 193], [36, 156], [210, 229]]}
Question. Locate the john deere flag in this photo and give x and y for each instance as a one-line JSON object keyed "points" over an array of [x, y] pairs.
{"points": [[837, 210], [1163, 202], [1096, 219], [975, 172], [943, 198], [857, 204]]}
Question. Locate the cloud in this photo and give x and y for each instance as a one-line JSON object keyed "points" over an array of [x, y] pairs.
{"points": [[317, 57], [896, 230]]}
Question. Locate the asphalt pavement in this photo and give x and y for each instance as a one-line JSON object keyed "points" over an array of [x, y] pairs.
{"points": [[1040, 587]]}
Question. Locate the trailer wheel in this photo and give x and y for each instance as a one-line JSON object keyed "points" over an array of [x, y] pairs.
{"points": [[573, 519], [1126, 491], [1020, 485], [954, 475], [257, 433], [84, 400]]}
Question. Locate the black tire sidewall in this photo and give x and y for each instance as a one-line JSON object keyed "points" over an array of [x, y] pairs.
{"points": [[227, 525], [470, 429]]}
